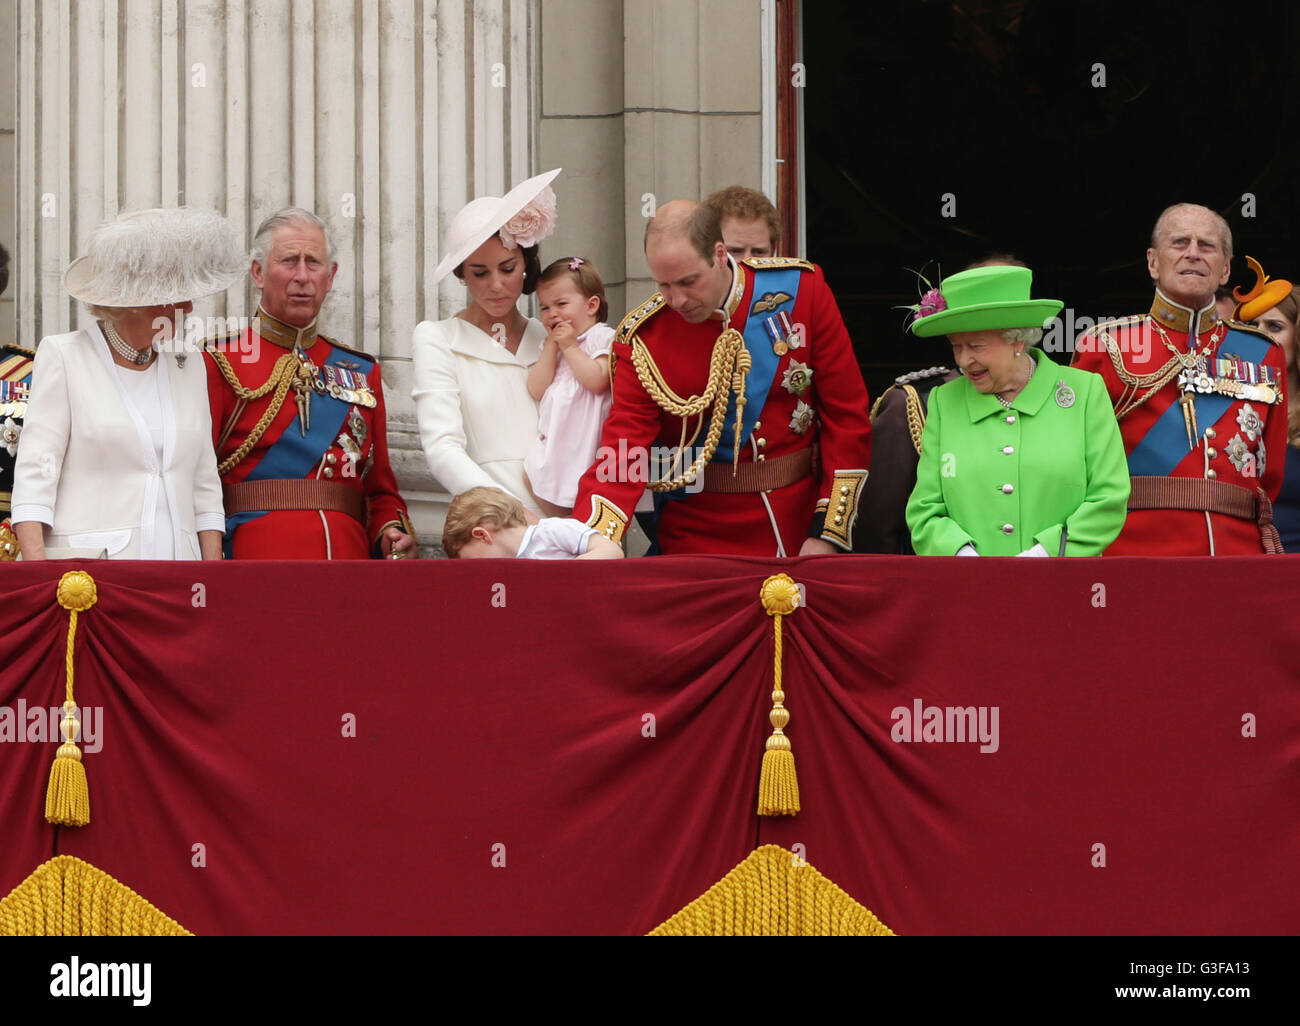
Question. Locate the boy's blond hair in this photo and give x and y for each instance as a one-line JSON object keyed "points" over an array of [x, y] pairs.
{"points": [[479, 507]]}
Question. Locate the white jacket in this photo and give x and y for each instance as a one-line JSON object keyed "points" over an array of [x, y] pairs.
{"points": [[87, 467], [477, 420]]}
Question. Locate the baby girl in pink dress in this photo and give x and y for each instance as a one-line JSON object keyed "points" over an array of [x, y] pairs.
{"points": [[571, 379]]}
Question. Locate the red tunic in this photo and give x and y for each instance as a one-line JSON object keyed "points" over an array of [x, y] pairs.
{"points": [[1225, 450], [741, 523], [304, 534]]}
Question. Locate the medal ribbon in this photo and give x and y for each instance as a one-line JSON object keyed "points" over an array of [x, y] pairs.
{"points": [[1165, 445]]}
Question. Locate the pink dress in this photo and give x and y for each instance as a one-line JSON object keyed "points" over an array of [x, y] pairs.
{"points": [[569, 420]]}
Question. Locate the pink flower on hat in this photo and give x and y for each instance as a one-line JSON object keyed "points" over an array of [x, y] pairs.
{"points": [[931, 303], [532, 224]]}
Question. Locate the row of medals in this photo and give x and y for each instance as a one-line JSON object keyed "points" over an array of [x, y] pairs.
{"points": [[1200, 380], [13, 398], [338, 382]]}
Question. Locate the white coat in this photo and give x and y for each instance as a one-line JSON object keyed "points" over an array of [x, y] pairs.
{"points": [[477, 420], [87, 467]]}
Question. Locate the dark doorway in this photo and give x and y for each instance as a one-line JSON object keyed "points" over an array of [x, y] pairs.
{"points": [[1001, 106]]}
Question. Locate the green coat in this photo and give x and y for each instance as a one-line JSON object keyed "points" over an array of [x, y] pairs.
{"points": [[1002, 480]]}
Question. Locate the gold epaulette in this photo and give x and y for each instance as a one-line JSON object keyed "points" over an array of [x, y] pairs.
{"points": [[628, 326], [775, 263], [218, 343], [350, 349], [1250, 329], [20, 350], [1118, 322], [913, 407]]}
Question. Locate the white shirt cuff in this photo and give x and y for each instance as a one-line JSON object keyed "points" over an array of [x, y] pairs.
{"points": [[27, 511], [210, 522]]}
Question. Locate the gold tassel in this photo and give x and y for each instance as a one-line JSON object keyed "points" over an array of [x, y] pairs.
{"points": [[778, 787], [67, 798]]}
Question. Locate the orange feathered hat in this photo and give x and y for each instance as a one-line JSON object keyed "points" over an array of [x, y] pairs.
{"points": [[1266, 294]]}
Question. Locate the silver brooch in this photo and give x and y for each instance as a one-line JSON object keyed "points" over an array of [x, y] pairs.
{"points": [[9, 434], [1250, 422], [358, 425], [797, 378], [1238, 453], [802, 419], [1064, 395]]}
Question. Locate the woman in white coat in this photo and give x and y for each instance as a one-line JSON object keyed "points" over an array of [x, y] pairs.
{"points": [[477, 420], [116, 453]]}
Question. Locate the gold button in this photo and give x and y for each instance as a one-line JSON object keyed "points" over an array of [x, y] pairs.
{"points": [[844, 489], [329, 471], [758, 425], [839, 520], [1210, 473], [1211, 452], [331, 459], [761, 457], [1211, 433], [762, 443]]}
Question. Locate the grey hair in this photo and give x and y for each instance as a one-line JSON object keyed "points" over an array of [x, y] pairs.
{"points": [[1029, 336], [281, 218], [1223, 225]]}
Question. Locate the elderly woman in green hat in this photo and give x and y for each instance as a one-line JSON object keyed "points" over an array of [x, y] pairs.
{"points": [[1019, 456]]}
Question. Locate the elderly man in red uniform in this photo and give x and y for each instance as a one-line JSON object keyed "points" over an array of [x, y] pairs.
{"points": [[746, 373], [1201, 403], [299, 418]]}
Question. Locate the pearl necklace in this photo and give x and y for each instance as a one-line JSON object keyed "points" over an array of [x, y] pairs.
{"points": [[139, 357], [1007, 402]]}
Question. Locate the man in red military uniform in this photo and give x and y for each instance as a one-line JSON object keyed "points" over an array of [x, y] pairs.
{"points": [[298, 419], [1201, 403], [754, 350]]}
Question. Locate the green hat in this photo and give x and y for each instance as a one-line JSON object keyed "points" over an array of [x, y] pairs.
{"points": [[984, 299]]}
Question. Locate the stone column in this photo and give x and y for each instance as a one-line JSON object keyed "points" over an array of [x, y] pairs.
{"points": [[384, 117], [651, 100], [8, 120]]}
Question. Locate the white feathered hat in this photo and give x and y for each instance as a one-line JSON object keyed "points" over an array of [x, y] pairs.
{"points": [[157, 257], [523, 216]]}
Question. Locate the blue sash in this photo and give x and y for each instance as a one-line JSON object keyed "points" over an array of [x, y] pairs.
{"points": [[1165, 445], [762, 373], [293, 455]]}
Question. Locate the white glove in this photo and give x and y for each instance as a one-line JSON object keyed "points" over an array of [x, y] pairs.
{"points": [[967, 550], [1037, 550]]}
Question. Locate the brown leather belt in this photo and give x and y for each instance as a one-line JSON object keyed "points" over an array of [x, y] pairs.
{"points": [[1203, 496], [761, 477], [282, 493]]}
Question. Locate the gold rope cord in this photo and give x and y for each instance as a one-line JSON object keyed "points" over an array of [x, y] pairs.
{"points": [[281, 378], [67, 897], [773, 893], [729, 364], [778, 785], [67, 796], [915, 416]]}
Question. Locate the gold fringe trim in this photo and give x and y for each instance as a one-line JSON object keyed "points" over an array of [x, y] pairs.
{"points": [[778, 786], [773, 893], [67, 897], [67, 797]]}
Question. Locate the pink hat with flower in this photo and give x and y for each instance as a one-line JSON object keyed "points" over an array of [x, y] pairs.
{"points": [[522, 217]]}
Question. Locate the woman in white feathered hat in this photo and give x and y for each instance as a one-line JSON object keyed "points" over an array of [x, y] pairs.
{"points": [[116, 455], [477, 420]]}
